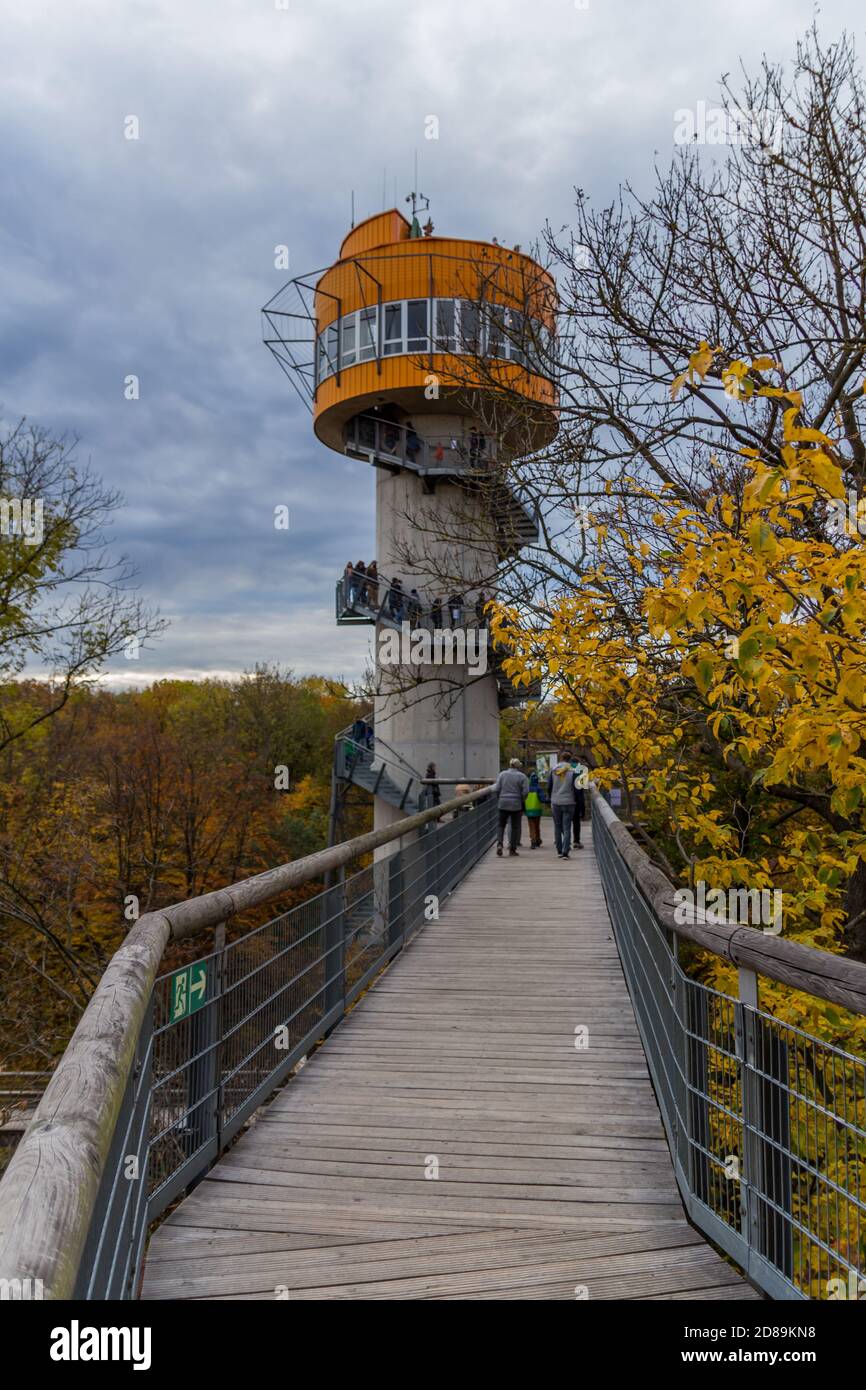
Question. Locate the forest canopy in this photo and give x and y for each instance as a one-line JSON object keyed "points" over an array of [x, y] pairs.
{"points": [[121, 803]]}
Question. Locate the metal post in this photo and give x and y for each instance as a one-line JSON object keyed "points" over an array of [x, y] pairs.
{"points": [[219, 942], [379, 317], [697, 1076], [333, 911], [333, 807], [202, 1073], [204, 1077], [396, 906], [680, 1118], [767, 1132], [776, 1231]]}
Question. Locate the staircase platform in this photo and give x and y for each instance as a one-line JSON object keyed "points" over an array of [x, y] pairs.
{"points": [[554, 1177]]}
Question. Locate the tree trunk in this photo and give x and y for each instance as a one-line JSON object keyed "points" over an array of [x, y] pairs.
{"points": [[855, 906]]}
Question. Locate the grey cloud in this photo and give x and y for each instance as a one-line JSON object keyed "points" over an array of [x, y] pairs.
{"points": [[153, 257]]}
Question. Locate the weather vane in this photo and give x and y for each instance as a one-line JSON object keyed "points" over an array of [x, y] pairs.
{"points": [[420, 203]]}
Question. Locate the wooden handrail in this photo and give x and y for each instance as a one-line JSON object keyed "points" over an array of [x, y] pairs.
{"points": [[49, 1191], [820, 973]]}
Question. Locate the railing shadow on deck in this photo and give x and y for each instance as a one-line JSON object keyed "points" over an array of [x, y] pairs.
{"points": [[766, 1123], [162, 1072]]}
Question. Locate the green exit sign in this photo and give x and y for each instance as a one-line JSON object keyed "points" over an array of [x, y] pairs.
{"points": [[188, 990]]}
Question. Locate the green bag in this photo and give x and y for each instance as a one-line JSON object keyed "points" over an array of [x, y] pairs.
{"points": [[533, 804]]}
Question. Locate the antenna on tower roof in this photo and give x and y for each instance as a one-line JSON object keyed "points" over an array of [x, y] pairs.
{"points": [[420, 203]]}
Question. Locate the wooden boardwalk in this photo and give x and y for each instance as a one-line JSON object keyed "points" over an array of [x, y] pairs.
{"points": [[553, 1171]]}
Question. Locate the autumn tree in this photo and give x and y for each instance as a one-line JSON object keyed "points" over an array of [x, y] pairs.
{"points": [[66, 603], [123, 802], [719, 671]]}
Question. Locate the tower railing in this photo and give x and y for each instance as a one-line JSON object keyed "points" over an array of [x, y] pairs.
{"points": [[471, 455], [355, 604], [390, 604], [766, 1122], [372, 437], [371, 760], [164, 1069]]}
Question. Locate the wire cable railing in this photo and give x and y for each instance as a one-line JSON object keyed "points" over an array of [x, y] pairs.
{"points": [[164, 1070], [766, 1123]]}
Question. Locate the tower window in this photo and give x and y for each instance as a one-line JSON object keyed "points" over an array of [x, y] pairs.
{"points": [[367, 330], [350, 340], [331, 348], [444, 337], [416, 325], [393, 338], [495, 334], [455, 325], [517, 336], [469, 336]]}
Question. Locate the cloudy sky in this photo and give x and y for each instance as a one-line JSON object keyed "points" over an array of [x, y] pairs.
{"points": [[257, 118]]}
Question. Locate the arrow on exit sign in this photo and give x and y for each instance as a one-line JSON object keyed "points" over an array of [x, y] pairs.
{"points": [[188, 990]]}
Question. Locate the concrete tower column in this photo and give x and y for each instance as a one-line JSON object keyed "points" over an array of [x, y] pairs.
{"points": [[448, 714]]}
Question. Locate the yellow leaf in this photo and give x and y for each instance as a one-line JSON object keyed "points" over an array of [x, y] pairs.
{"points": [[762, 539]]}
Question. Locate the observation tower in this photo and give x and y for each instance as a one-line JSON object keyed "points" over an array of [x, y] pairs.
{"points": [[431, 359]]}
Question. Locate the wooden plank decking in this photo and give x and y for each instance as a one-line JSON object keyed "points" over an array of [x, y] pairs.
{"points": [[553, 1171]]}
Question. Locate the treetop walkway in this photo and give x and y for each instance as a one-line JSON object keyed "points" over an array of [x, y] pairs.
{"points": [[529, 1103], [450, 1140]]}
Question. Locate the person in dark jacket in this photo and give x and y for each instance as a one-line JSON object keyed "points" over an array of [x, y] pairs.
{"points": [[432, 786], [413, 443], [511, 788], [581, 782], [396, 599]]}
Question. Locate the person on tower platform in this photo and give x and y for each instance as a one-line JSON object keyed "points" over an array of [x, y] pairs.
{"points": [[349, 585], [396, 599], [413, 443]]}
